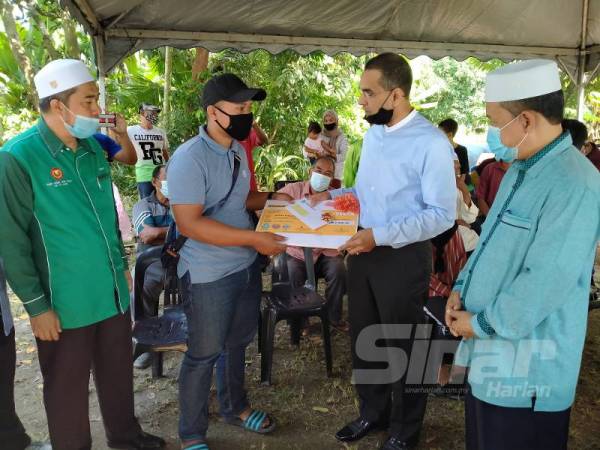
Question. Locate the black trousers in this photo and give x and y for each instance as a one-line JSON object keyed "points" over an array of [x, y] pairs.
{"points": [[331, 268], [104, 348], [12, 432], [389, 286], [491, 427]]}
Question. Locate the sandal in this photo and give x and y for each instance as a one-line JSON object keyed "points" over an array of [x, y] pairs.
{"points": [[196, 446], [254, 422]]}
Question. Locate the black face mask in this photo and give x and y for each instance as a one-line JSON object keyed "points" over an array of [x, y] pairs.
{"points": [[381, 117], [152, 117], [239, 125], [330, 126]]}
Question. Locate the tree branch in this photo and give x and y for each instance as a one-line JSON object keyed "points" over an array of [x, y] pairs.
{"points": [[18, 51]]}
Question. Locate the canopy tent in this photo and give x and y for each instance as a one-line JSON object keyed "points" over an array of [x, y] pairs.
{"points": [[566, 30]]}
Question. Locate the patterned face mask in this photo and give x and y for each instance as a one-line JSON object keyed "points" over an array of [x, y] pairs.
{"points": [[151, 117]]}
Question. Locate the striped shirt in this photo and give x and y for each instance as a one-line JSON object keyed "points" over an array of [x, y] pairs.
{"points": [[152, 213]]}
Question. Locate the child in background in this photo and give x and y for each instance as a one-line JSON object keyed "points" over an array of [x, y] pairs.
{"points": [[312, 145]]}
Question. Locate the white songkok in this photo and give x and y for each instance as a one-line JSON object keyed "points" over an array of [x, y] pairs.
{"points": [[521, 80], [61, 75]]}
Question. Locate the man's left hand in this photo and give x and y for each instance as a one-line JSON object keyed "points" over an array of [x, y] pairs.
{"points": [[461, 324], [361, 242], [147, 235]]}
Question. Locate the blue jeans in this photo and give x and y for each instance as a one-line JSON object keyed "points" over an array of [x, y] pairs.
{"points": [[222, 320]]}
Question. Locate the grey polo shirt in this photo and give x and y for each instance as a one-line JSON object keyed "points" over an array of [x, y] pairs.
{"points": [[200, 173]]}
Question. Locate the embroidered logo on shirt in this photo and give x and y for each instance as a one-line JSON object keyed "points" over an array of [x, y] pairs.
{"points": [[56, 173], [58, 176]]}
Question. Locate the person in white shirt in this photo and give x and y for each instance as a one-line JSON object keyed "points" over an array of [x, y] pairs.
{"points": [[466, 211], [151, 146], [407, 193], [312, 145]]}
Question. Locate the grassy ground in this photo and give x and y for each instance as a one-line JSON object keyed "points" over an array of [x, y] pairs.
{"points": [[308, 406]]}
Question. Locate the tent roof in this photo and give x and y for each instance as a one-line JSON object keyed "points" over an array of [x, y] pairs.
{"points": [[508, 29]]}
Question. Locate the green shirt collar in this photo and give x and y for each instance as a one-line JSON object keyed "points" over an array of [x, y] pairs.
{"points": [[54, 144], [534, 163]]}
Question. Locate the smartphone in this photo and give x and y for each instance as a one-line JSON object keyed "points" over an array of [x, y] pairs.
{"points": [[108, 120]]}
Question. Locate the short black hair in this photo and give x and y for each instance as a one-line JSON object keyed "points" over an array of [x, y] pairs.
{"points": [[449, 126], [395, 71], [62, 97], [314, 127], [578, 131], [156, 172], [551, 106]]}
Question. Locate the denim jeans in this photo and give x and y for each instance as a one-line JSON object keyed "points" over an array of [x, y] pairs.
{"points": [[222, 320]]}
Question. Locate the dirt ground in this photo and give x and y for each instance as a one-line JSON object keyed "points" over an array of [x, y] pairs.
{"points": [[308, 407]]}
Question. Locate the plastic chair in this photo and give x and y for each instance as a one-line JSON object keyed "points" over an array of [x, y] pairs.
{"points": [[294, 305], [158, 334]]}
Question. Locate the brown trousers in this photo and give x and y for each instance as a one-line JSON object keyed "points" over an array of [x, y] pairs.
{"points": [[105, 349]]}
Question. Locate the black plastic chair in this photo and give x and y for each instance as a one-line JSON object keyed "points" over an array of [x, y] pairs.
{"points": [[282, 183], [158, 334], [294, 305]]}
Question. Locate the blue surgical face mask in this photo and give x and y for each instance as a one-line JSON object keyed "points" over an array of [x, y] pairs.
{"points": [[84, 127], [319, 182], [502, 152], [164, 188]]}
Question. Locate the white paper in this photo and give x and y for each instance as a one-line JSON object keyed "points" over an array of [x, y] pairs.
{"points": [[310, 216]]}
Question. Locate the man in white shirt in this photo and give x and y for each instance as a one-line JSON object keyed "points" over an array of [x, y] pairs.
{"points": [[407, 193], [151, 146], [466, 211]]}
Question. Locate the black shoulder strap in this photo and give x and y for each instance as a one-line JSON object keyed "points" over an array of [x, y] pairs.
{"points": [[180, 240], [234, 177]]}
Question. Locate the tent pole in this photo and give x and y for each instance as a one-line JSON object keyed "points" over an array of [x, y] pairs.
{"points": [[166, 111], [99, 48], [581, 88], [581, 62]]}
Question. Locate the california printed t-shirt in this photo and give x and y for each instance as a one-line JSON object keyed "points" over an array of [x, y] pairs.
{"points": [[149, 146]]}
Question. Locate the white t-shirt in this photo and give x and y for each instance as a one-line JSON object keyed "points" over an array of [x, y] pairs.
{"points": [[149, 146], [469, 215], [313, 144]]}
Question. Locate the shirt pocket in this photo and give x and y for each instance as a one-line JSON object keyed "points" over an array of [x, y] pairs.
{"points": [[502, 256], [512, 242], [103, 179], [512, 220]]}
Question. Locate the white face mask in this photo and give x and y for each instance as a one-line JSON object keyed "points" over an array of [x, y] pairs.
{"points": [[164, 188], [319, 182]]}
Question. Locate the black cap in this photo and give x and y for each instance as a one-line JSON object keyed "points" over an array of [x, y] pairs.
{"points": [[230, 88], [149, 107]]}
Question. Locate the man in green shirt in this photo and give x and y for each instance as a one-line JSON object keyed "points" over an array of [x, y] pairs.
{"points": [[64, 259]]}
